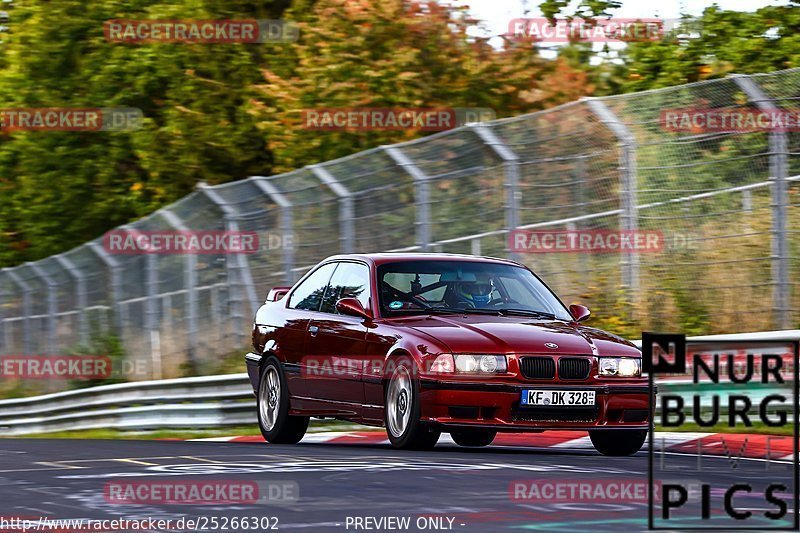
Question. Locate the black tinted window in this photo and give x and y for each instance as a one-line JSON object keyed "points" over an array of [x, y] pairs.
{"points": [[351, 280], [308, 294]]}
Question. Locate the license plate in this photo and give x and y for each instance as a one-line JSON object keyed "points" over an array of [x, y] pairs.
{"points": [[542, 398]]}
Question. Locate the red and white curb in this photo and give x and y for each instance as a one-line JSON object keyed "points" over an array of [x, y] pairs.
{"points": [[735, 445]]}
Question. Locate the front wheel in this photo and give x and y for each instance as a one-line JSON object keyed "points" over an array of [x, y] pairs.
{"points": [[276, 425], [473, 438], [618, 442], [402, 411]]}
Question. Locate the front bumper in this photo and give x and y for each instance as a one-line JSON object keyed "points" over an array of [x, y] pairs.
{"points": [[497, 406]]}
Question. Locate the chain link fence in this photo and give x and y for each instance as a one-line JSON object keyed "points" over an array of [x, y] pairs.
{"points": [[726, 202]]}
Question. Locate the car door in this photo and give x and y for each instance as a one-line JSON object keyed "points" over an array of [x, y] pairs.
{"points": [[337, 342], [292, 338]]}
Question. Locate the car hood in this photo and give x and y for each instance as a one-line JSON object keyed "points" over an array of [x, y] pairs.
{"points": [[496, 334]]}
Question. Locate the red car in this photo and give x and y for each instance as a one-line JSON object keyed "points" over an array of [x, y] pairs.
{"points": [[430, 343]]}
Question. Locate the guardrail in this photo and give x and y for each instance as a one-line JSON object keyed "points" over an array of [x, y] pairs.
{"points": [[200, 402]]}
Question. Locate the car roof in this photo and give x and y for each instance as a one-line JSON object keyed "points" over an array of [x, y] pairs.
{"points": [[394, 257]]}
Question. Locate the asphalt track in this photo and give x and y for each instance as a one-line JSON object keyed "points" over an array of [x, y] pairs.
{"points": [[337, 483]]}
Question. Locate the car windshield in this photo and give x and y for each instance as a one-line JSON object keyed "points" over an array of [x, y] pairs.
{"points": [[424, 287]]}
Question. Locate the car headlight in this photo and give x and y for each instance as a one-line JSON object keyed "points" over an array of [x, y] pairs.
{"points": [[620, 367], [481, 364]]}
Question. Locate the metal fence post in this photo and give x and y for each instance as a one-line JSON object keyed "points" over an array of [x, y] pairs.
{"points": [[346, 208], [80, 296], [475, 246], [5, 337], [151, 318], [628, 188], [52, 307], [580, 192], [190, 281], [511, 166], [113, 266], [778, 171], [423, 195], [287, 223], [27, 339], [236, 265]]}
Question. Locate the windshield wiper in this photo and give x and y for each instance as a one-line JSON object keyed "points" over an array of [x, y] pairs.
{"points": [[526, 312], [429, 309], [458, 310]]}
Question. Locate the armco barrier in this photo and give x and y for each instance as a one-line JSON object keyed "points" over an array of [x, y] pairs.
{"points": [[199, 402]]}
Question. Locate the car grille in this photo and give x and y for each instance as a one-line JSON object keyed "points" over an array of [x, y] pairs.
{"points": [[556, 414], [538, 367], [573, 368]]}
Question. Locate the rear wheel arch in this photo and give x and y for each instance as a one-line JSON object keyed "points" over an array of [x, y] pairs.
{"points": [[272, 406], [265, 356]]}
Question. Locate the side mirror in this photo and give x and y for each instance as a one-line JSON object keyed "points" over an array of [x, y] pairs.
{"points": [[277, 293], [352, 307], [579, 312]]}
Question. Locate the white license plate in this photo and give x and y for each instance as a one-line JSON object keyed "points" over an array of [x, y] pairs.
{"points": [[540, 398]]}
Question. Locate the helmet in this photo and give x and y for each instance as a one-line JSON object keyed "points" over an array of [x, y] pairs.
{"points": [[478, 294]]}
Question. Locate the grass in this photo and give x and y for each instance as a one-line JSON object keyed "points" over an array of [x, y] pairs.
{"points": [[182, 434]]}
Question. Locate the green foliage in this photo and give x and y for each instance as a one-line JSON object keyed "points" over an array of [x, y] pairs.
{"points": [[586, 9], [102, 344], [396, 54], [60, 189], [217, 113], [717, 43]]}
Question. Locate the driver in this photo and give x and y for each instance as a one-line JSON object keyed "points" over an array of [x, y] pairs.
{"points": [[477, 293]]}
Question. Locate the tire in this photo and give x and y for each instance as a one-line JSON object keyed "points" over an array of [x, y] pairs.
{"points": [[401, 412], [272, 406], [473, 438], [618, 442]]}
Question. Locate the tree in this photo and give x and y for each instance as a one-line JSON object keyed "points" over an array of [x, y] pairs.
{"points": [[396, 54], [60, 189], [586, 9], [222, 112], [716, 44]]}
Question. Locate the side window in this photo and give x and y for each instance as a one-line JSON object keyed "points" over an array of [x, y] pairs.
{"points": [[351, 280], [308, 294]]}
